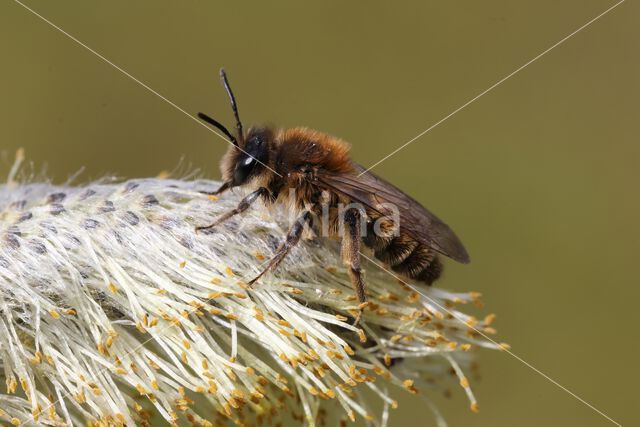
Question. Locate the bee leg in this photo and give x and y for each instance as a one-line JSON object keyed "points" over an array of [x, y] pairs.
{"points": [[242, 206], [224, 187], [351, 257], [292, 239]]}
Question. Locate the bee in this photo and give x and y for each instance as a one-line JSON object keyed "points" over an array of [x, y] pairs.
{"points": [[313, 174]]}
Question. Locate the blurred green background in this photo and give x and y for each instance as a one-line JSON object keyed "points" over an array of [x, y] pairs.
{"points": [[539, 176]]}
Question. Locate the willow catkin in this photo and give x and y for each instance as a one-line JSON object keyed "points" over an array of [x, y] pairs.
{"points": [[113, 310]]}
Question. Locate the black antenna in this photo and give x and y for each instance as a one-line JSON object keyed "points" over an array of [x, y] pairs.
{"points": [[234, 106], [218, 125]]}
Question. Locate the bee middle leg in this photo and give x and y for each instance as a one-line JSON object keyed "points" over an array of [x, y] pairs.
{"points": [[292, 239], [242, 206], [351, 256]]}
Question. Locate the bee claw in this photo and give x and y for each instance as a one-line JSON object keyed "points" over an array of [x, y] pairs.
{"points": [[205, 227]]}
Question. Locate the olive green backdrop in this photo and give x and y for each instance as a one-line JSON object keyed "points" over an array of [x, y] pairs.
{"points": [[539, 176]]}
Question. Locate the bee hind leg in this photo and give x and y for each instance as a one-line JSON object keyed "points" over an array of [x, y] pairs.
{"points": [[351, 257], [242, 206], [292, 239]]}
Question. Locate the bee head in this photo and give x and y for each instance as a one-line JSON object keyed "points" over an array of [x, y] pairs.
{"points": [[248, 154], [242, 163]]}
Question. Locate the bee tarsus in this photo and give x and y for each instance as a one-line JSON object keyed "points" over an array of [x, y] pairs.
{"points": [[242, 206], [292, 239]]}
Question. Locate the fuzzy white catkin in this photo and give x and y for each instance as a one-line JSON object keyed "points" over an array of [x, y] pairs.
{"points": [[113, 310]]}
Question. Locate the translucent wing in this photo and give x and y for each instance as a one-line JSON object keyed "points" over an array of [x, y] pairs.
{"points": [[374, 192]]}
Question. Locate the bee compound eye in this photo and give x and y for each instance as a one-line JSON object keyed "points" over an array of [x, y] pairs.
{"points": [[243, 170]]}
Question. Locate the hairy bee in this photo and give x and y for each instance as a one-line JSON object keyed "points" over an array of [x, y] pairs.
{"points": [[312, 173]]}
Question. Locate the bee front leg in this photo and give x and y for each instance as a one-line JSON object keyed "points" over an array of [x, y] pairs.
{"points": [[351, 256], [242, 206], [224, 187], [293, 237]]}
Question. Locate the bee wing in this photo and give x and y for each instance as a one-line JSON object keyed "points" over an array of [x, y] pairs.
{"points": [[374, 192]]}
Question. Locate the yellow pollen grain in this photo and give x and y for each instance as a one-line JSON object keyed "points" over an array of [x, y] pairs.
{"points": [[489, 318], [213, 295], [216, 280], [341, 318], [231, 316], [229, 272], [12, 385], [362, 335], [475, 407], [186, 344], [54, 314], [183, 264], [364, 305], [413, 297], [15, 421], [387, 359], [259, 256], [464, 382], [381, 311]]}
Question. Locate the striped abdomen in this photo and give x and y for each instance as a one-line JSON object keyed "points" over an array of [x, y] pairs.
{"points": [[406, 256]]}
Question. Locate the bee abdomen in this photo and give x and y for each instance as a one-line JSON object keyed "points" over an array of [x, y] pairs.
{"points": [[403, 254], [397, 251], [411, 259]]}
